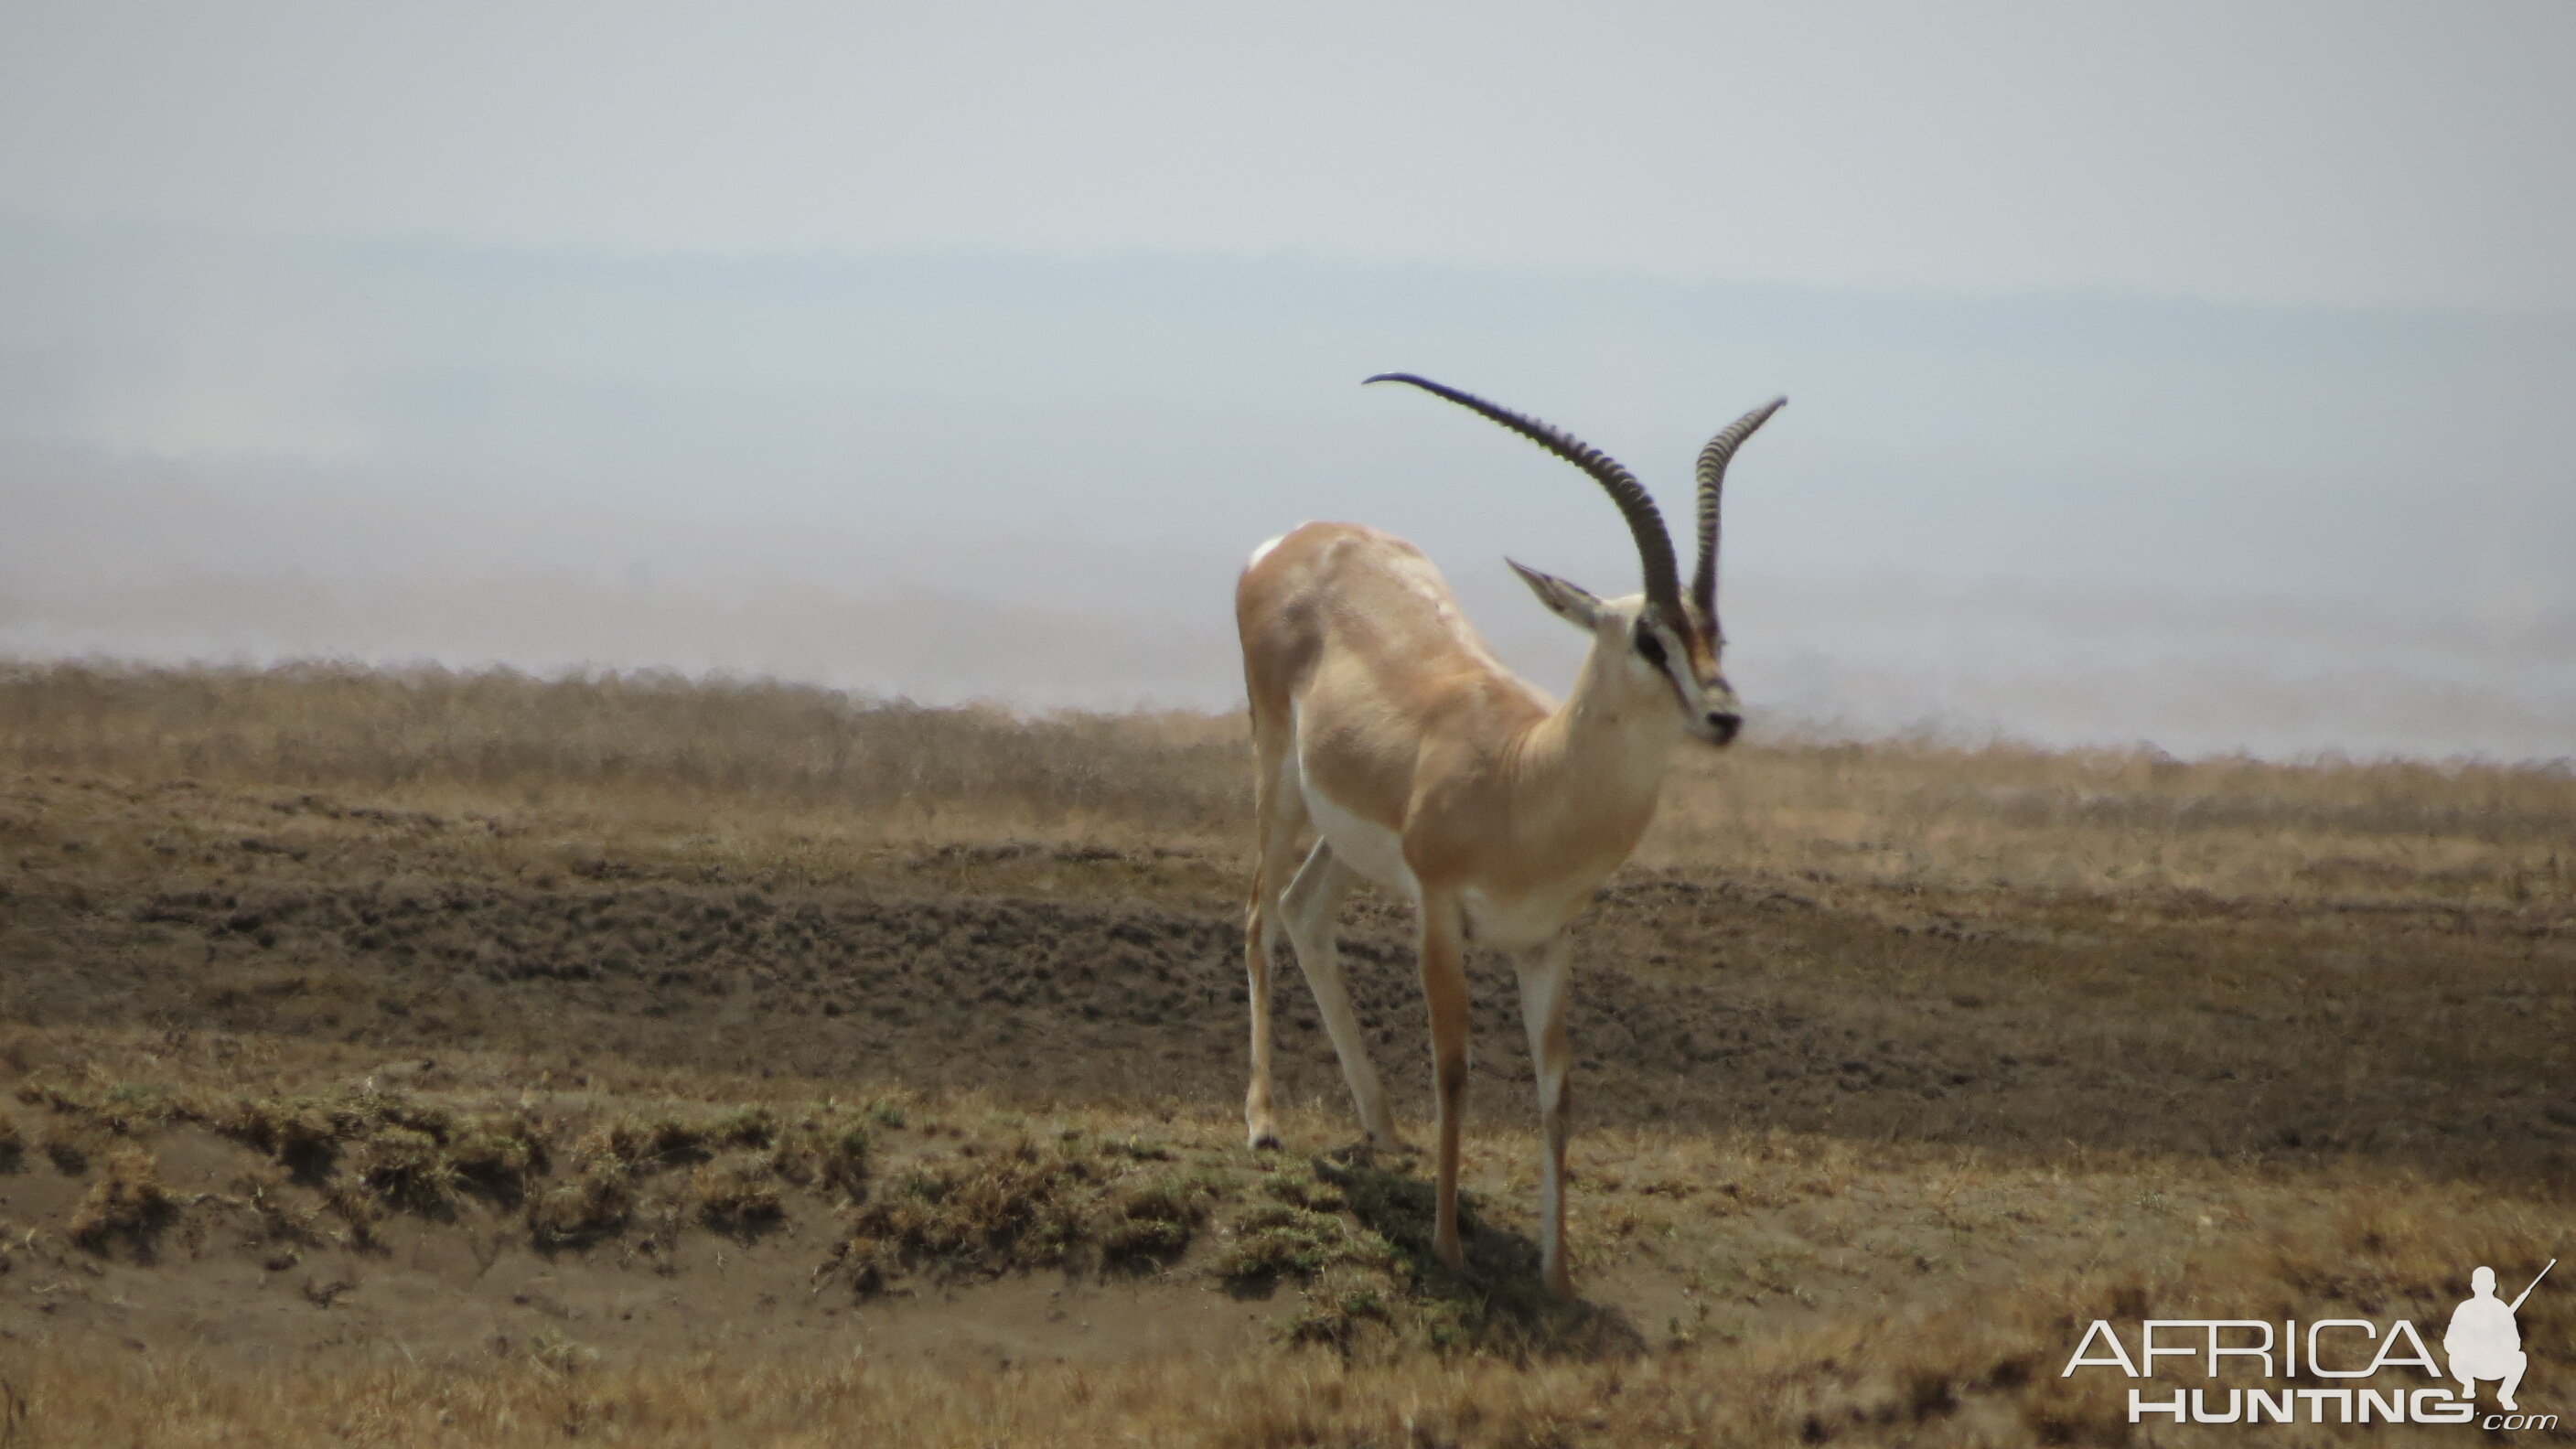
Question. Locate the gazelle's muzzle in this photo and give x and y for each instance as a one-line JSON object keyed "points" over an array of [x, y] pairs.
{"points": [[1721, 716]]}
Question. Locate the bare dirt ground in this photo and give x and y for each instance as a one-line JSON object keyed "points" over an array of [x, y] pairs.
{"points": [[427, 1106]]}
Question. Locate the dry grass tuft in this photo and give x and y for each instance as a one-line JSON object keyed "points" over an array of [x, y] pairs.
{"points": [[598, 1202], [128, 1203], [751, 1127], [406, 1168], [407, 1155], [1075, 1201], [304, 1136], [984, 1214], [738, 1194], [68, 1145], [495, 1155], [1359, 1235], [659, 1142], [1295, 1236], [822, 1153], [1149, 1220]]}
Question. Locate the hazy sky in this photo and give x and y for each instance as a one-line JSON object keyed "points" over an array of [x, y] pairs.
{"points": [[2201, 374], [2345, 153]]}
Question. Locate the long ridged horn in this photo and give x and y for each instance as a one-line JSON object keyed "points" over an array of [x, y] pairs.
{"points": [[1654, 545], [1712, 478]]}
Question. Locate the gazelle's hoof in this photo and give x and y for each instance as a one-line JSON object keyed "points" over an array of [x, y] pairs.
{"points": [[1262, 1139]]}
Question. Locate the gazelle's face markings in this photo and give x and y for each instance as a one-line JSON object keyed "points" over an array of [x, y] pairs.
{"points": [[1685, 661], [1642, 646]]}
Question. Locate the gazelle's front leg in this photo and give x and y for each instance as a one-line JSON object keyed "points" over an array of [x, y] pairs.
{"points": [[1543, 983], [1444, 991]]}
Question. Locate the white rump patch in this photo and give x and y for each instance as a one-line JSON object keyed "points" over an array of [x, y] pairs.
{"points": [[1263, 552]]}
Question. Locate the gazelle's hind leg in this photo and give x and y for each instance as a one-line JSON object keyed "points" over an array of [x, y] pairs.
{"points": [[1542, 973], [1260, 933], [1312, 908], [1279, 811]]}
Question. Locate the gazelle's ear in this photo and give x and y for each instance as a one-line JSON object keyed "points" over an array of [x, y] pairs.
{"points": [[1564, 600]]}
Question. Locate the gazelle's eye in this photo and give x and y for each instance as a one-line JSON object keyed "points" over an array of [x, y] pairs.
{"points": [[1649, 648]]}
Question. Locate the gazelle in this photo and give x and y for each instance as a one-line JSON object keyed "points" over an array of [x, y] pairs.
{"points": [[1380, 717]]}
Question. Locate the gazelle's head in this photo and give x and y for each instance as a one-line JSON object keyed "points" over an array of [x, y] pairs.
{"points": [[1657, 642]]}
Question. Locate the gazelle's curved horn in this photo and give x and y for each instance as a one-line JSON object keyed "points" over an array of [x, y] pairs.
{"points": [[1712, 478], [1654, 545]]}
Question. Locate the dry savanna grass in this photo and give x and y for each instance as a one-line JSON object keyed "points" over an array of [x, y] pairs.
{"points": [[791, 775], [422, 1058]]}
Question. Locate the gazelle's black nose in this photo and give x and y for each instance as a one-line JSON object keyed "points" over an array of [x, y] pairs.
{"points": [[1725, 725]]}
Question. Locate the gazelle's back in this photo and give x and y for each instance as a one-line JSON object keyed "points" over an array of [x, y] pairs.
{"points": [[1372, 610]]}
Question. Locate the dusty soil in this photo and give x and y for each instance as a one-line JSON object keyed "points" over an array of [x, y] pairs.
{"points": [[1803, 1102]]}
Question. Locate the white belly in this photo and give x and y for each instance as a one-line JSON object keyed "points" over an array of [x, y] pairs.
{"points": [[1363, 845], [1521, 923], [1377, 854]]}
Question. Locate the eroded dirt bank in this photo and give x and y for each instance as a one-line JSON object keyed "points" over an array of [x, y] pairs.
{"points": [[2416, 1036]]}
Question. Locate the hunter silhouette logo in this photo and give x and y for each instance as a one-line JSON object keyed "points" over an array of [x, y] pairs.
{"points": [[2360, 1368], [2483, 1341]]}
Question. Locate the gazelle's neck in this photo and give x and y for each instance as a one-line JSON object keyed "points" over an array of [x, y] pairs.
{"points": [[1610, 740]]}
